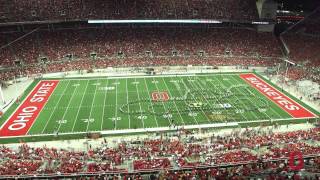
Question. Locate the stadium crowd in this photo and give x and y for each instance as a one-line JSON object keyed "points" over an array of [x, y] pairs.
{"points": [[303, 42], [302, 73], [71, 10], [45, 51], [133, 42], [304, 54], [239, 155]]}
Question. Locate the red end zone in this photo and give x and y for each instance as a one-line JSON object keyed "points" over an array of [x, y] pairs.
{"points": [[286, 103], [20, 122]]}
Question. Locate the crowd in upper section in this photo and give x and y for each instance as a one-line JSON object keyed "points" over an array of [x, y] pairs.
{"points": [[140, 42], [66, 50], [303, 42], [68, 10], [304, 49]]}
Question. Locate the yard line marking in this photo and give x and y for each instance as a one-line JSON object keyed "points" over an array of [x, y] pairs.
{"points": [[94, 96], [194, 119], [235, 80], [75, 120], [201, 84], [173, 101], [139, 103], [74, 85], [253, 102], [129, 117], [55, 107], [165, 108], [66, 109], [155, 117], [194, 85], [182, 80], [116, 108], [254, 114], [104, 105], [244, 117], [191, 82]]}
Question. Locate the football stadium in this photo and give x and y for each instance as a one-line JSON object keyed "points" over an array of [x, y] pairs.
{"points": [[159, 90]]}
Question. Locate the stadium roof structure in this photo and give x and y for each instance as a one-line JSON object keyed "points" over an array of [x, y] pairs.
{"points": [[312, 21]]}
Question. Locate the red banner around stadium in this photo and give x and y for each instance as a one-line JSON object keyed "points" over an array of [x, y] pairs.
{"points": [[283, 101], [22, 119]]}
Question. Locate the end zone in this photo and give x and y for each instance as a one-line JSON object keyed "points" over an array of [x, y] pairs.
{"points": [[283, 101], [22, 119]]}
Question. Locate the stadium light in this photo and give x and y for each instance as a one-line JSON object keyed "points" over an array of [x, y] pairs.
{"points": [[260, 22], [186, 21]]}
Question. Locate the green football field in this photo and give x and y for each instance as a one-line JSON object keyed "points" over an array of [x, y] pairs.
{"points": [[143, 102]]}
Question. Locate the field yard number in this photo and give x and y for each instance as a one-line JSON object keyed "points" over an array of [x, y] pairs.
{"points": [[62, 121], [142, 117], [115, 118], [107, 88], [192, 114], [160, 96], [226, 105], [239, 111], [167, 116], [262, 110], [222, 106], [88, 120], [175, 81], [216, 112], [110, 88]]}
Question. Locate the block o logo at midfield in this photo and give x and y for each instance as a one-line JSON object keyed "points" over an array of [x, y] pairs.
{"points": [[160, 96]]}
